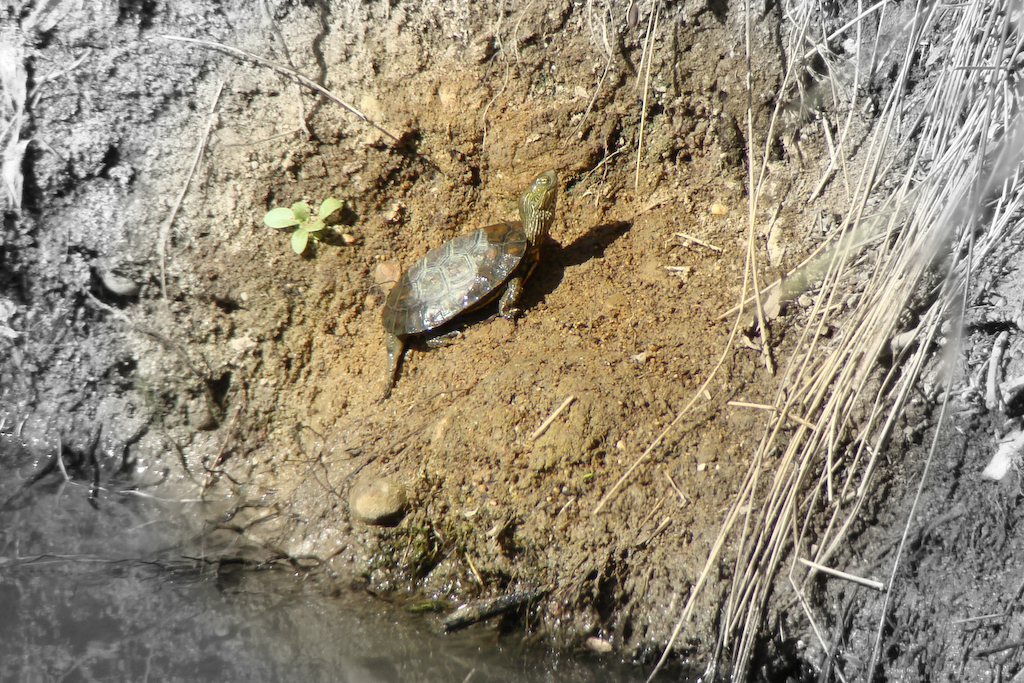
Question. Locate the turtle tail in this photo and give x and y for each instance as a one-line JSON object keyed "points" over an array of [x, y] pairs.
{"points": [[395, 346]]}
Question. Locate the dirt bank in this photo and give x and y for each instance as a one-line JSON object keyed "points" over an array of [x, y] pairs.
{"points": [[152, 323]]}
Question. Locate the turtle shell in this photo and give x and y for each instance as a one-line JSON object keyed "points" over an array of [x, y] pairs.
{"points": [[461, 274]]}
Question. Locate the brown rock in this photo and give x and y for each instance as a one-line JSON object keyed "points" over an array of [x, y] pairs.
{"points": [[380, 501]]}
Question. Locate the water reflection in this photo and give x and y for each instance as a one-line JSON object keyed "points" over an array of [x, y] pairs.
{"points": [[102, 586]]}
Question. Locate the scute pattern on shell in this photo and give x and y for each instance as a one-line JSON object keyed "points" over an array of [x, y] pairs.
{"points": [[454, 277]]}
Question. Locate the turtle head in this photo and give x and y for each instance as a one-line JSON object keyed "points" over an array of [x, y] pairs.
{"points": [[537, 206]]}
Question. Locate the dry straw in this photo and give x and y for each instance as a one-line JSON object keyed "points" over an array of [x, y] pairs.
{"points": [[933, 189]]}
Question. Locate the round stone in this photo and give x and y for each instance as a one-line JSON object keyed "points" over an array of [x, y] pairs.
{"points": [[380, 501], [120, 286]]}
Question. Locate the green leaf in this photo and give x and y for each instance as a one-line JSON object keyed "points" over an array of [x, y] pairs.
{"points": [[329, 206], [301, 211], [280, 218], [300, 238]]}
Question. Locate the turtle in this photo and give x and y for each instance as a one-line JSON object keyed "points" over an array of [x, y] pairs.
{"points": [[467, 272]]}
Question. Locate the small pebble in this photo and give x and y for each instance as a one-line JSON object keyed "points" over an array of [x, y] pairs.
{"points": [[120, 286], [386, 272], [394, 214], [599, 645], [379, 501], [719, 209]]}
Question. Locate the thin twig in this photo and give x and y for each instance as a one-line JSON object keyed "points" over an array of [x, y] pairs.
{"points": [[551, 418], [691, 238], [870, 583], [1012, 645], [607, 65], [651, 536], [276, 30], [165, 229], [648, 52], [290, 73], [757, 406], [169, 344], [60, 459], [683, 500], [983, 617], [476, 574]]}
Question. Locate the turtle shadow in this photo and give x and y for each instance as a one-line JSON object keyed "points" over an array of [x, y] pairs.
{"points": [[555, 259]]}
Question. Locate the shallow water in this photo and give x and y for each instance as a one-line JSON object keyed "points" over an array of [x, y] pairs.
{"points": [[110, 585]]}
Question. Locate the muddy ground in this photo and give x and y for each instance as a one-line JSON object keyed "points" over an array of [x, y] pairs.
{"points": [[226, 366]]}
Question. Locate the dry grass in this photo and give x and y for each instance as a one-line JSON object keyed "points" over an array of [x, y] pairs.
{"points": [[935, 187], [13, 99]]}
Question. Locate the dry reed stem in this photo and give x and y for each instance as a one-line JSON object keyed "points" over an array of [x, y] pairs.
{"points": [[928, 213], [648, 53]]}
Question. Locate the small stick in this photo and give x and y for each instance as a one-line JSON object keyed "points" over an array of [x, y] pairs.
{"points": [[290, 73], [597, 91], [682, 496], [54, 75], [968, 620], [661, 527], [478, 610], [992, 394], [164, 341], [650, 514], [276, 30], [870, 583], [551, 418], [758, 406], [702, 243], [219, 460], [999, 648], [165, 229], [476, 574], [60, 459]]}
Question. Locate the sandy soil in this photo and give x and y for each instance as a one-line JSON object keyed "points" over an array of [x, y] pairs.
{"points": [[252, 374]]}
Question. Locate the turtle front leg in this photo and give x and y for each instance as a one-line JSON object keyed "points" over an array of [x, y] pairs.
{"points": [[507, 303], [395, 345]]}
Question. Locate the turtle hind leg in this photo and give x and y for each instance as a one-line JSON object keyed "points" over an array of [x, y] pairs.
{"points": [[395, 346]]}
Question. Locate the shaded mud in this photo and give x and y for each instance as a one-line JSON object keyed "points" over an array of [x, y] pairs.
{"points": [[242, 372]]}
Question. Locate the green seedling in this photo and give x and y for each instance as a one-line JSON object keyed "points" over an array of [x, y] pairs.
{"points": [[299, 216]]}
